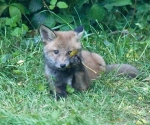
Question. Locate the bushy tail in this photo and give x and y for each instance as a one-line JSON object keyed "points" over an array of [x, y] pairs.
{"points": [[122, 69]]}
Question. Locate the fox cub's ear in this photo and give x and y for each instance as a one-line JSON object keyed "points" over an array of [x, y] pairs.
{"points": [[79, 30], [47, 34]]}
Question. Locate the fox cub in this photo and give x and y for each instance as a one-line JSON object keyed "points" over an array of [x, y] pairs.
{"points": [[78, 70]]}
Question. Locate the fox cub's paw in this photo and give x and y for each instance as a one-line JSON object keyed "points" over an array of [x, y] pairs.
{"points": [[58, 95], [75, 60]]}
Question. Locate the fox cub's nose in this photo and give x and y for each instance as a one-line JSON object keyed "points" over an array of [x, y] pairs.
{"points": [[62, 65]]}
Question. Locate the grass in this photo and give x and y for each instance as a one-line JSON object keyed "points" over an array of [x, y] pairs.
{"points": [[25, 98]]}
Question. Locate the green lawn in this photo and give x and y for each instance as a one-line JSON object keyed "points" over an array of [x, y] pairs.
{"points": [[25, 98]]}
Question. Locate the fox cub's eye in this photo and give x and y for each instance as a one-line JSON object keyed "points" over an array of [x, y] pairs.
{"points": [[56, 51], [69, 52]]}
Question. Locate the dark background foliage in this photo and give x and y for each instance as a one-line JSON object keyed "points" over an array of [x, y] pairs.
{"points": [[112, 14]]}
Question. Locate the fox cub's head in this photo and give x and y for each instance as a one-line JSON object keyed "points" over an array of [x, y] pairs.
{"points": [[59, 44]]}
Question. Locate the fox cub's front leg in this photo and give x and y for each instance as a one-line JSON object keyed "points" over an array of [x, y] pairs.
{"points": [[80, 80], [56, 82], [57, 90]]}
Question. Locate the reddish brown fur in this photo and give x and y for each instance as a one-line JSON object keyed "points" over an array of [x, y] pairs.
{"points": [[96, 64], [66, 41]]}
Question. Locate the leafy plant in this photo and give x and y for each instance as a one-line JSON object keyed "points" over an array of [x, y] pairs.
{"points": [[112, 15], [42, 13], [59, 4], [11, 24], [13, 9], [11, 21]]}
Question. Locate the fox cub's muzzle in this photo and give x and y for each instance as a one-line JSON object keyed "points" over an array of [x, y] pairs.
{"points": [[63, 65]]}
